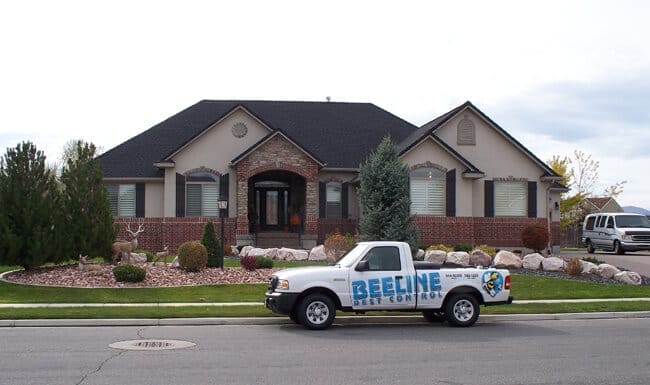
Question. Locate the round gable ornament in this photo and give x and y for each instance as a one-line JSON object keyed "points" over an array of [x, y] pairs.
{"points": [[239, 130]]}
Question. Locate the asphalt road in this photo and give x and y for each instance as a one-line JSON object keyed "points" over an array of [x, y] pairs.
{"points": [[638, 261], [541, 352]]}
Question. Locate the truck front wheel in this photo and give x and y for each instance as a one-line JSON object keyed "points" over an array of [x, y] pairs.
{"points": [[316, 311], [462, 310]]}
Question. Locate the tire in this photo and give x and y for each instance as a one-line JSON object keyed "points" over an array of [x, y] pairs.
{"points": [[590, 247], [618, 248], [462, 310], [433, 316], [316, 312]]}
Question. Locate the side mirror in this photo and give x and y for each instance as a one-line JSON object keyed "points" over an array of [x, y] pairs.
{"points": [[362, 266]]}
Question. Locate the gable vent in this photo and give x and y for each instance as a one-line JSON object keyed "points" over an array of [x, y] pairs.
{"points": [[466, 131]]}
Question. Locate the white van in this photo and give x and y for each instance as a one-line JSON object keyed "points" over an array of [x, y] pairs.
{"points": [[617, 232]]}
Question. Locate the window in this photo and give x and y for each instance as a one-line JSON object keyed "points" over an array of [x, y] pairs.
{"points": [[428, 189], [122, 199], [590, 223], [201, 199], [510, 199], [333, 196], [383, 258]]}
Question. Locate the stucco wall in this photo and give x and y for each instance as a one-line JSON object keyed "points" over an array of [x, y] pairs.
{"points": [[154, 199]]}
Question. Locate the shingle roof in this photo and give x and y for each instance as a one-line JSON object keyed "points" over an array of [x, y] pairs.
{"points": [[339, 134]]}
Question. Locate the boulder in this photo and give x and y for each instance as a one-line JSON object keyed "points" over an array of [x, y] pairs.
{"points": [[137, 258], [317, 253], [532, 261], [419, 256], [436, 256], [285, 254], [628, 277], [588, 267], [553, 264], [268, 253], [175, 262], [607, 271], [245, 250], [506, 259], [480, 258], [458, 257]]}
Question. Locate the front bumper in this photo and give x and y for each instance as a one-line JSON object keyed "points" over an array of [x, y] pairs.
{"points": [[635, 246], [281, 303]]}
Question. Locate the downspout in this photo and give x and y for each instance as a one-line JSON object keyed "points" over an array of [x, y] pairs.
{"points": [[548, 217]]}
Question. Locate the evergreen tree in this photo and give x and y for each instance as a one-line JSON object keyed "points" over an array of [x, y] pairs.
{"points": [[85, 205], [384, 197], [28, 207], [212, 245]]}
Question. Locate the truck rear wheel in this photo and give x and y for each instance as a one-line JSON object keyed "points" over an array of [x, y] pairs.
{"points": [[316, 311], [590, 247], [462, 310]]}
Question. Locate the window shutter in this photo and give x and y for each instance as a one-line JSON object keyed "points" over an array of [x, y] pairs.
{"points": [[451, 193], [532, 199], [344, 200], [139, 200], [322, 199], [223, 190], [180, 195], [488, 189]]}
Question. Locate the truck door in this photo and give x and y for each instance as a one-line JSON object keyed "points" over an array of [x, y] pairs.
{"points": [[380, 280]]}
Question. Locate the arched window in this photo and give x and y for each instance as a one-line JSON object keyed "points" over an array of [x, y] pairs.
{"points": [[428, 187], [202, 195]]}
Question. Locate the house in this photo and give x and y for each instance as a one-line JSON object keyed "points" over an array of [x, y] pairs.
{"points": [[600, 205], [271, 161]]}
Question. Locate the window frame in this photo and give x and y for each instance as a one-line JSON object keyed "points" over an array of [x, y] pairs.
{"points": [[204, 212], [435, 194], [117, 199], [521, 210]]}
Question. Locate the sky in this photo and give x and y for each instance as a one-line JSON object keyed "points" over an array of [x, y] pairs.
{"points": [[559, 76]]}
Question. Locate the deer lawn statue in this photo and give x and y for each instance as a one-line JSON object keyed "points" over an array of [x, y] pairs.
{"points": [[125, 248], [162, 254], [86, 267]]}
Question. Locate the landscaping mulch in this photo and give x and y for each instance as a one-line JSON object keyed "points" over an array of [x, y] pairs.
{"points": [[159, 275]]}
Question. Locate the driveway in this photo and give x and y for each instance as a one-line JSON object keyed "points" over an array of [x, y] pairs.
{"points": [[638, 261]]}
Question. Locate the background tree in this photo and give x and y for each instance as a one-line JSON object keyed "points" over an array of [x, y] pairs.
{"points": [[28, 205], [212, 245], [85, 205], [384, 197]]}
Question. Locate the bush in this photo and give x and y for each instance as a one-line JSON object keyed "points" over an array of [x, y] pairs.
{"points": [[337, 244], [150, 256], [574, 267], [466, 247], [212, 245], [440, 246], [264, 262], [489, 250], [249, 262], [535, 237], [192, 256], [129, 273]]}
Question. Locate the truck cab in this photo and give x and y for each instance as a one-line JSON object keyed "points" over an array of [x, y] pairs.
{"points": [[382, 275]]}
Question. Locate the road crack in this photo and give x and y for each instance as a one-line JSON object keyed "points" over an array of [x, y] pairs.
{"points": [[101, 365]]}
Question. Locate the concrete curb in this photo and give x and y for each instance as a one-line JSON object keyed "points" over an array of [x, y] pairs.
{"points": [[344, 320]]}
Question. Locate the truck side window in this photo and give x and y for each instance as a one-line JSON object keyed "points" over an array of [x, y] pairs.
{"points": [[383, 258], [610, 222], [590, 223]]}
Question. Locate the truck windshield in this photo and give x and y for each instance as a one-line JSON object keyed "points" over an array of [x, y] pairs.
{"points": [[632, 221], [348, 258]]}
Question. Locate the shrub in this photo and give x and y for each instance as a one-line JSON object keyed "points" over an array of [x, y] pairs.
{"points": [[574, 267], [440, 246], [535, 237], [150, 256], [337, 244], [489, 250], [129, 273], [466, 247], [249, 262], [212, 245], [264, 262], [192, 256]]}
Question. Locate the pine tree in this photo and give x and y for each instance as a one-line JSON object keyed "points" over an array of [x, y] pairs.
{"points": [[86, 208], [384, 197], [28, 206], [212, 244]]}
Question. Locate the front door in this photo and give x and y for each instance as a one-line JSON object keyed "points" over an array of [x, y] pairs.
{"points": [[271, 204]]}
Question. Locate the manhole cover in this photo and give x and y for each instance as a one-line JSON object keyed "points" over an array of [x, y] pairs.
{"points": [[151, 345]]}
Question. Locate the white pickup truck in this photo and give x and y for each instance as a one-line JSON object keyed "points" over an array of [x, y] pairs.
{"points": [[383, 276]]}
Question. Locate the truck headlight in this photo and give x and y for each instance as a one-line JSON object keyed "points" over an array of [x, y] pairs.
{"points": [[283, 284]]}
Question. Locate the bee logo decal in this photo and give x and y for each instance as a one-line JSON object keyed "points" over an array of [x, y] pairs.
{"points": [[492, 282]]}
